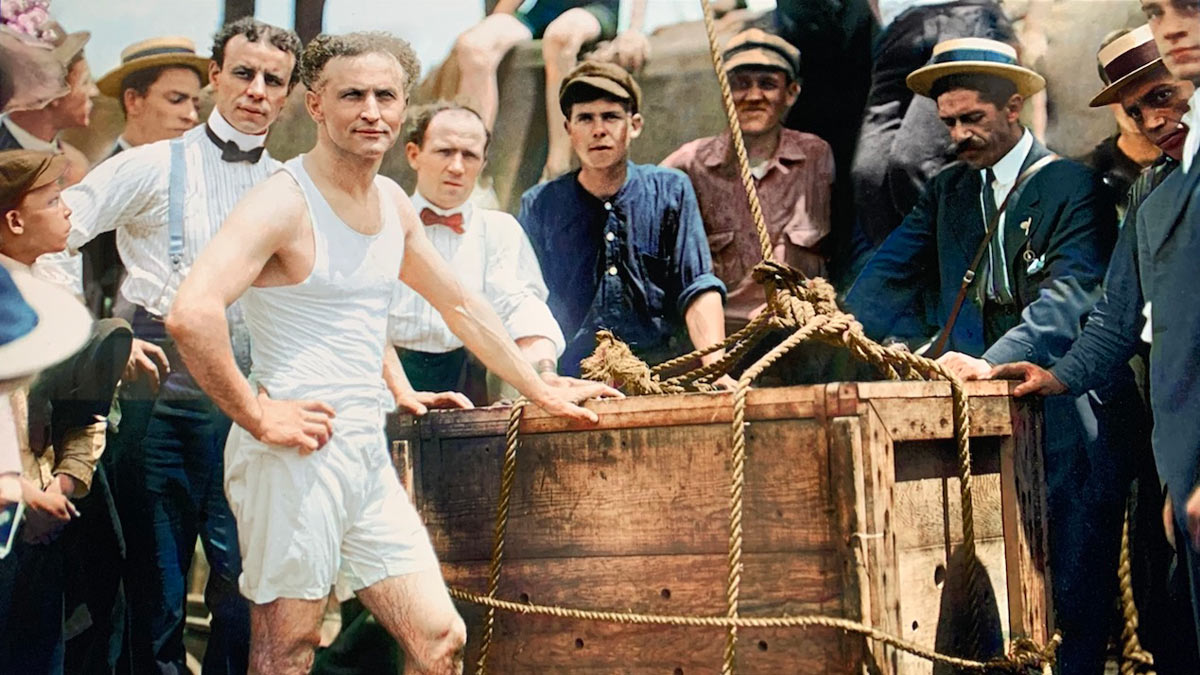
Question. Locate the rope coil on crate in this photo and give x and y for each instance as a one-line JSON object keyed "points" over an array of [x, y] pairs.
{"points": [[807, 307]]}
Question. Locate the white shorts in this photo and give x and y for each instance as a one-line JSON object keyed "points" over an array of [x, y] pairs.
{"points": [[336, 518]]}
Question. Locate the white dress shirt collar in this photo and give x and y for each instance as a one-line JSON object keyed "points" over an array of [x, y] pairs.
{"points": [[1009, 167], [225, 131], [1192, 141], [420, 202], [28, 140]]}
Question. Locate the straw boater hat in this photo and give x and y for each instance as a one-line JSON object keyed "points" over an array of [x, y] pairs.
{"points": [[1125, 59], [40, 323], [162, 51], [975, 55]]}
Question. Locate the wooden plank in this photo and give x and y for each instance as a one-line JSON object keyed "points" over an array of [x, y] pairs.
{"points": [[630, 492], [402, 462], [928, 511], [1023, 506], [849, 513], [773, 584], [879, 540], [640, 411], [932, 389], [909, 419]]}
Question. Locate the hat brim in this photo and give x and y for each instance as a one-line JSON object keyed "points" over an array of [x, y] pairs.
{"points": [[1028, 83], [71, 47], [53, 171], [110, 84], [1112, 93], [63, 327], [602, 83], [758, 60]]}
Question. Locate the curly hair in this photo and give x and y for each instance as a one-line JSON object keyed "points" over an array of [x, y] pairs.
{"points": [[325, 47], [254, 30]]}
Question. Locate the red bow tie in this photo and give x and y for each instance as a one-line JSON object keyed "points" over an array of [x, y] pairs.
{"points": [[453, 221]]}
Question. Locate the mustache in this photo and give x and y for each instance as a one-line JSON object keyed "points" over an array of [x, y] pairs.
{"points": [[954, 148]]}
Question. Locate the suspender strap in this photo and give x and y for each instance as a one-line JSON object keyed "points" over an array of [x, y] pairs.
{"points": [[969, 276], [175, 193]]}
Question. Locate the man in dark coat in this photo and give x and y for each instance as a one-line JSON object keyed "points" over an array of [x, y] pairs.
{"points": [[1039, 276]]}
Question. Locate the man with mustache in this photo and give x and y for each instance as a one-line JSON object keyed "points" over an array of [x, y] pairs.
{"points": [[793, 172], [315, 252], [1039, 273], [621, 245], [1156, 102], [167, 199]]}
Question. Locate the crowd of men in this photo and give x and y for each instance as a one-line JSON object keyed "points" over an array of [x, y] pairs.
{"points": [[199, 343]]}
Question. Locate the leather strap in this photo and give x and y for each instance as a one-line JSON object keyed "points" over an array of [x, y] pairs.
{"points": [[969, 276]]}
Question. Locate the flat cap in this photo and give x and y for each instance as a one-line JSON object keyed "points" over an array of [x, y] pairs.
{"points": [[607, 77], [23, 171], [757, 47]]}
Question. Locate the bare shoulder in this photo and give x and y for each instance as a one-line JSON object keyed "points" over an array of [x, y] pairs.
{"points": [[278, 200], [408, 215]]}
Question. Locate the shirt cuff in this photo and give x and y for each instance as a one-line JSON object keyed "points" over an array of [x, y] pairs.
{"points": [[81, 450], [1010, 350], [532, 318], [701, 284], [1071, 373]]}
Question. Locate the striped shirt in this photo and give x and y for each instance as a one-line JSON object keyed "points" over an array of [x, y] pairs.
{"points": [[491, 257], [128, 193]]}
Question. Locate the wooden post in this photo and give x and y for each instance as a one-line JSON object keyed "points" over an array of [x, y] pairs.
{"points": [[1023, 511]]}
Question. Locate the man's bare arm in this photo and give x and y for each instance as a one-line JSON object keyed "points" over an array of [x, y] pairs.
{"points": [[268, 218], [506, 6]]}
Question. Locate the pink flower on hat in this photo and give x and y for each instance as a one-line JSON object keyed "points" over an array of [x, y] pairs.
{"points": [[29, 17]]}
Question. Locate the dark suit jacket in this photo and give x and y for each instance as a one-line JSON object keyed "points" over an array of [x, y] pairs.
{"points": [[1170, 219], [1071, 230]]}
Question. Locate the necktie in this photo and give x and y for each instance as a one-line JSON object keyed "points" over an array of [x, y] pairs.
{"points": [[998, 276], [453, 221], [230, 152]]}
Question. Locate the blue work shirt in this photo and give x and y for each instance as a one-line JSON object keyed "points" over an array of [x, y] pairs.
{"points": [[630, 264]]}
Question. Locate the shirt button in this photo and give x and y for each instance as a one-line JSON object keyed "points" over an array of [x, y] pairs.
{"points": [[610, 236], [612, 271], [608, 206]]}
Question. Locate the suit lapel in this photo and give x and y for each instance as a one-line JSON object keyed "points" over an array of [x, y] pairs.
{"points": [[1178, 200], [966, 211], [1022, 216]]}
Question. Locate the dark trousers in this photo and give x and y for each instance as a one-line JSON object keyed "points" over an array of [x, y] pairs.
{"points": [[429, 371], [31, 609], [170, 491]]}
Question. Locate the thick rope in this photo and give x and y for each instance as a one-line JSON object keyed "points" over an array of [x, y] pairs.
{"points": [[1023, 657], [1134, 659], [508, 473]]}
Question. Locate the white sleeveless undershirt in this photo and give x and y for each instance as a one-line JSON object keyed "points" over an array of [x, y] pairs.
{"points": [[324, 337]]}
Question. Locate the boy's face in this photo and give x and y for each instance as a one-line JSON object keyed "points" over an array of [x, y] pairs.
{"points": [[40, 223], [601, 132]]}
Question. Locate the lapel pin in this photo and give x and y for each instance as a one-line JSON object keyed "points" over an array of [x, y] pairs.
{"points": [[1025, 225]]}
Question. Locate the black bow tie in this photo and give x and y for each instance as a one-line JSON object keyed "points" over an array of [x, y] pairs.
{"points": [[230, 152]]}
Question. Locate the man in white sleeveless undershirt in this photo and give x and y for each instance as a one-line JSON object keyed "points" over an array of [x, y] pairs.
{"points": [[313, 252]]}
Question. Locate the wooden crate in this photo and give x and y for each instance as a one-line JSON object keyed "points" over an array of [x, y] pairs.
{"points": [[851, 510]]}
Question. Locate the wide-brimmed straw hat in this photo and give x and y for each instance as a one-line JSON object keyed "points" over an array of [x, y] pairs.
{"points": [[979, 56], [40, 324], [1125, 59], [159, 51]]}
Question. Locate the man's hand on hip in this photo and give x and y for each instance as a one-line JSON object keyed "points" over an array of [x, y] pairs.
{"points": [[304, 425], [1034, 379], [560, 399]]}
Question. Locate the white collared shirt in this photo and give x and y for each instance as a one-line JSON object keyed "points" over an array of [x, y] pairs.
{"points": [[1006, 171], [492, 257], [128, 193], [1192, 141], [28, 140]]}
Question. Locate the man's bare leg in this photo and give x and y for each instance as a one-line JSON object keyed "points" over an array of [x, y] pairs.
{"points": [[417, 611], [479, 52], [560, 49], [284, 635]]}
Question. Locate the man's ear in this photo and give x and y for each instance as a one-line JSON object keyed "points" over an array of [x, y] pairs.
{"points": [[411, 150], [635, 125], [214, 70], [1012, 109], [131, 100], [12, 222], [312, 103], [793, 92]]}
